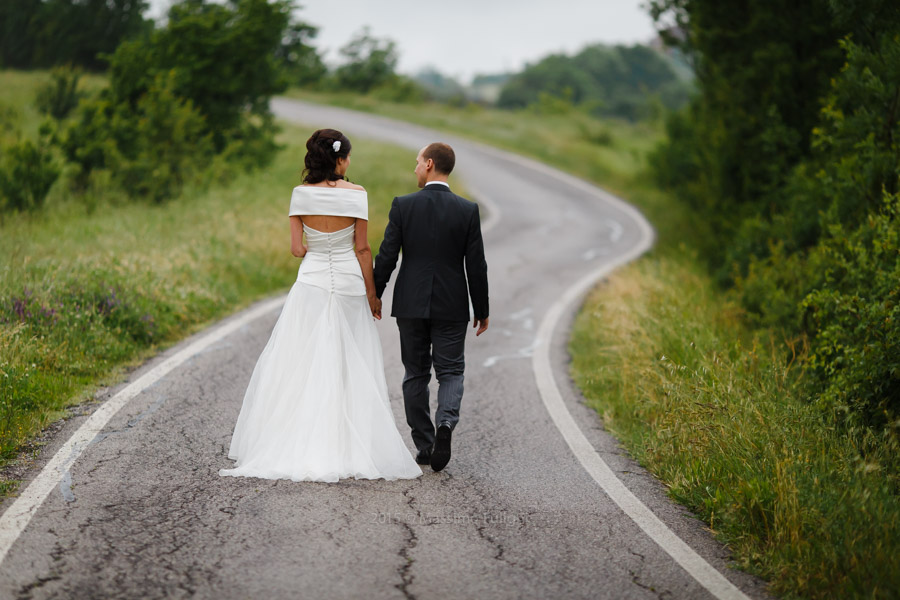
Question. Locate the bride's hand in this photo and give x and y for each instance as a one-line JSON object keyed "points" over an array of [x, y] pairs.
{"points": [[375, 306]]}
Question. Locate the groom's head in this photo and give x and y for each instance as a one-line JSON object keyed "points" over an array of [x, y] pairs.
{"points": [[434, 163]]}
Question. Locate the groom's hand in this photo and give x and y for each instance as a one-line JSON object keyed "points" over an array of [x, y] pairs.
{"points": [[481, 324]]}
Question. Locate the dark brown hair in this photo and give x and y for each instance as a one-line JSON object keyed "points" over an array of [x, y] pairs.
{"points": [[321, 159], [442, 155]]}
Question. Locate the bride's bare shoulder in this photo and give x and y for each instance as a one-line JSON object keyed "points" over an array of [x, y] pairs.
{"points": [[340, 183], [351, 186]]}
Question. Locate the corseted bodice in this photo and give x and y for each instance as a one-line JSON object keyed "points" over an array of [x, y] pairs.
{"points": [[330, 262]]}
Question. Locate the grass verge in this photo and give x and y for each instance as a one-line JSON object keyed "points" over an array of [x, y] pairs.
{"points": [[713, 411]]}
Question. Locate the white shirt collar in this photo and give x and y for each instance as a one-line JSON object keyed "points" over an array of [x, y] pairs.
{"points": [[438, 182]]}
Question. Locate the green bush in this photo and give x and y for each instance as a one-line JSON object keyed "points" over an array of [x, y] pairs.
{"points": [[90, 141], [38, 34], [27, 172], [834, 277], [152, 149], [789, 164], [224, 59], [170, 145], [550, 104], [610, 81], [399, 89], [301, 61], [187, 98], [855, 318], [369, 62], [249, 146], [59, 96]]}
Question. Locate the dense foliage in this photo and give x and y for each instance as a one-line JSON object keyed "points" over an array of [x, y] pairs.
{"points": [[790, 155], [611, 81], [27, 168], [45, 33], [369, 66], [223, 58], [152, 148], [197, 88], [59, 96]]}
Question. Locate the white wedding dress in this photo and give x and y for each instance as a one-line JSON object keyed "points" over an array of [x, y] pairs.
{"points": [[316, 407]]}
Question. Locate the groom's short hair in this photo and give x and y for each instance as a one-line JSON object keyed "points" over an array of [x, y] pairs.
{"points": [[442, 155]]}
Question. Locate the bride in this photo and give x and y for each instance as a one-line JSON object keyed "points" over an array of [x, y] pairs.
{"points": [[317, 407]]}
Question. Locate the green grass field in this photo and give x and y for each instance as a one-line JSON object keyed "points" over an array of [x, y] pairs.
{"points": [[17, 90], [88, 291], [708, 405]]}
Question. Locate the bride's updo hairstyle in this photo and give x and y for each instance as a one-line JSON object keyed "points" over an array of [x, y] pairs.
{"points": [[321, 156]]}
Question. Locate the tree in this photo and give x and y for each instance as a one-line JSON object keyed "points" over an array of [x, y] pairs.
{"points": [[300, 59], [45, 33], [761, 69], [224, 57], [439, 86], [369, 63], [194, 90], [551, 75], [611, 81], [792, 151]]}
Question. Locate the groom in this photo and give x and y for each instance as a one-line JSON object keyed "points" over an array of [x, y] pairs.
{"points": [[438, 232]]}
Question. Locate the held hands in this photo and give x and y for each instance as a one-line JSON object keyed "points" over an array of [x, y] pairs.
{"points": [[481, 324], [375, 306]]}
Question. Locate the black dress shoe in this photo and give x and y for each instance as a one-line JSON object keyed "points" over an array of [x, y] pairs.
{"points": [[424, 457], [440, 454]]}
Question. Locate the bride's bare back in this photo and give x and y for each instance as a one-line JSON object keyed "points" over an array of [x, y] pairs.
{"points": [[329, 223]]}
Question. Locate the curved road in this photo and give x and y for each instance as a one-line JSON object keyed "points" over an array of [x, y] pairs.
{"points": [[538, 501]]}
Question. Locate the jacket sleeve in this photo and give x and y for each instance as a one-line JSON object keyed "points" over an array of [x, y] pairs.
{"points": [[386, 259], [476, 267]]}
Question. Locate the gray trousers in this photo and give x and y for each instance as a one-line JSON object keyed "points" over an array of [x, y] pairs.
{"points": [[424, 342]]}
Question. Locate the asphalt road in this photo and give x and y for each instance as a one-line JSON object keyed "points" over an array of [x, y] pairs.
{"points": [[142, 512]]}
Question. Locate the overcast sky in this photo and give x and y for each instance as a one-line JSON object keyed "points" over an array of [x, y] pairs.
{"points": [[465, 37]]}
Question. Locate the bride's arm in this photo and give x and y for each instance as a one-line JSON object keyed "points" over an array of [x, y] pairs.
{"points": [[297, 246], [364, 256]]}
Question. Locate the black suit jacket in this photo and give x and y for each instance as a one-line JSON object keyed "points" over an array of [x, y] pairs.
{"points": [[439, 233]]}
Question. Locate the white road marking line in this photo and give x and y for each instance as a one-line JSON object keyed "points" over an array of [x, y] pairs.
{"points": [[593, 253], [616, 229], [521, 353], [17, 516], [683, 554], [520, 314], [705, 574], [527, 351]]}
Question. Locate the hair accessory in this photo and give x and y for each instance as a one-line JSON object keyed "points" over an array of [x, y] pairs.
{"points": [[336, 145]]}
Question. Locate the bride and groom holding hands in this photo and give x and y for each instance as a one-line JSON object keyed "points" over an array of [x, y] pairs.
{"points": [[317, 407]]}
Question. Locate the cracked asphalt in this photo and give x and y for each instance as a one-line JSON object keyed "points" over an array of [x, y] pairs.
{"points": [[142, 513]]}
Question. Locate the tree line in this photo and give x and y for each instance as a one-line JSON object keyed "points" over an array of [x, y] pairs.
{"points": [[37, 34], [789, 156], [608, 81], [188, 99]]}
